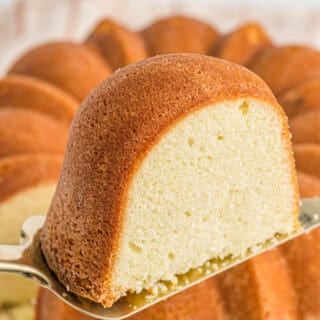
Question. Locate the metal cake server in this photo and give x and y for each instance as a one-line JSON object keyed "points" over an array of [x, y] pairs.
{"points": [[27, 260]]}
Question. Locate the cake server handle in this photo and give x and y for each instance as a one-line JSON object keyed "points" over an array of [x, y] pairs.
{"points": [[19, 258]]}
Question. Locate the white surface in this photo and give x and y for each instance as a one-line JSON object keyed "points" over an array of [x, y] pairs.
{"points": [[24, 23]]}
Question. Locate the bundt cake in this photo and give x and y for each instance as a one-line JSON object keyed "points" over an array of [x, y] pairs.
{"points": [[305, 127], [33, 94], [309, 185], [260, 288], [266, 287], [197, 303], [145, 171], [307, 156], [179, 34], [285, 67], [301, 98], [27, 131], [243, 44], [117, 44], [26, 188], [50, 81], [50, 307], [303, 256], [304, 261], [70, 66], [34, 175], [200, 302]]}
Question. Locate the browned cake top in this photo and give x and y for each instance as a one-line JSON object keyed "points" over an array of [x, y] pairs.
{"points": [[284, 67], [305, 127], [302, 253], [260, 288], [243, 44], [25, 92], [25, 171], [26, 131], [307, 156], [309, 185], [114, 128], [179, 34], [117, 44], [301, 98], [70, 66]]}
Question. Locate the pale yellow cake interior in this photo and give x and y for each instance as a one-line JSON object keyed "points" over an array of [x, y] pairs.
{"points": [[13, 212], [219, 182]]}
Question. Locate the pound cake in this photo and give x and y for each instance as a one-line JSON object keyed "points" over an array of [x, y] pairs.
{"points": [[202, 301], [260, 288], [27, 186], [304, 262], [34, 174], [307, 156], [117, 44], [303, 256], [243, 44], [311, 184], [274, 285], [179, 34], [26, 131], [284, 67], [70, 66], [305, 127], [301, 98], [175, 149], [257, 289], [36, 95]]}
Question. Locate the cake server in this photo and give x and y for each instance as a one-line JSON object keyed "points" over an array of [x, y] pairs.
{"points": [[27, 260]]}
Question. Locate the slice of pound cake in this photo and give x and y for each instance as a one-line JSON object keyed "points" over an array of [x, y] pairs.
{"points": [[170, 162], [27, 184]]}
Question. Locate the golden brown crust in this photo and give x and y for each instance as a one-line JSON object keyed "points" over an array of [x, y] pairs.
{"points": [[303, 253], [303, 258], [117, 44], [243, 44], [115, 126], [197, 303], [50, 307], [301, 98], [307, 156], [25, 171], [305, 127], [179, 34], [285, 67], [70, 66], [25, 131], [29, 93], [309, 185], [260, 288]]}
